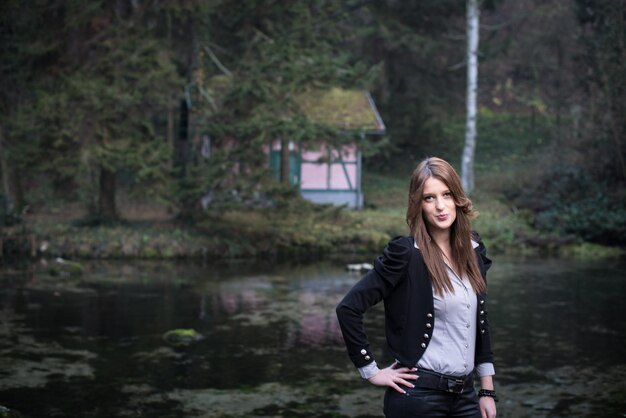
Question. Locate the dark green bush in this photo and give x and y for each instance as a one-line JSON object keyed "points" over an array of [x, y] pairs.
{"points": [[567, 199]]}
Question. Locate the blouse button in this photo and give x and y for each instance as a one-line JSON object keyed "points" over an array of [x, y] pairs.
{"points": [[429, 315], [482, 312], [426, 336], [428, 325], [364, 352], [482, 302], [367, 357], [423, 345]]}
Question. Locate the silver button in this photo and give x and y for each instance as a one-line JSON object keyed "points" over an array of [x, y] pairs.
{"points": [[364, 352], [482, 302], [482, 312], [423, 345], [482, 331], [429, 316], [367, 357], [482, 321], [426, 336], [428, 325]]}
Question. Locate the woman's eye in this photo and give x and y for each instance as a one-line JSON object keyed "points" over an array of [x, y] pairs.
{"points": [[428, 198], [447, 194]]}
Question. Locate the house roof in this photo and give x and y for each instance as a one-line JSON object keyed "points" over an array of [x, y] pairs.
{"points": [[352, 110], [343, 109]]}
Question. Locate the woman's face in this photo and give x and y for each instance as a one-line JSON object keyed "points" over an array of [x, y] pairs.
{"points": [[438, 207]]}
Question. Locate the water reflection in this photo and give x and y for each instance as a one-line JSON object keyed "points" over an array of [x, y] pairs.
{"points": [[93, 346]]}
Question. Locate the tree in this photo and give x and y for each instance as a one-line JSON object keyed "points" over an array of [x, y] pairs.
{"points": [[467, 160], [603, 60], [93, 109], [25, 60], [274, 53], [415, 48]]}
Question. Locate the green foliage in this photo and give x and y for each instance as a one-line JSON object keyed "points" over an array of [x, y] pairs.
{"points": [[385, 191], [602, 60], [575, 185], [504, 138], [592, 251], [61, 267], [578, 204], [182, 336], [279, 53], [504, 230], [410, 43], [125, 240], [93, 103]]}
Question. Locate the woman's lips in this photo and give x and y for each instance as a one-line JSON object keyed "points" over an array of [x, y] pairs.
{"points": [[442, 217]]}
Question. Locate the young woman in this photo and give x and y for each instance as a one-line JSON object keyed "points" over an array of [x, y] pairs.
{"points": [[434, 290]]}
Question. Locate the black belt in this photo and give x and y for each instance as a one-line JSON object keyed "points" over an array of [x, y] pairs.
{"points": [[433, 380]]}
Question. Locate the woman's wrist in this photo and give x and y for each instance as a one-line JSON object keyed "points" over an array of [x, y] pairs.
{"points": [[488, 393]]}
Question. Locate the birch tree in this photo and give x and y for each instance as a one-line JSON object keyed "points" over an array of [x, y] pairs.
{"points": [[467, 161]]}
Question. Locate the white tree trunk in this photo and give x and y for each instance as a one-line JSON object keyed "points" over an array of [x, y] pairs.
{"points": [[467, 161]]}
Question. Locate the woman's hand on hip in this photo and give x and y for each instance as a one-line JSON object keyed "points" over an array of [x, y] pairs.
{"points": [[393, 377]]}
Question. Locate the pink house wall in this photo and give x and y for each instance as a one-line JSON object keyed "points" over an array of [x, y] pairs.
{"points": [[317, 176]]}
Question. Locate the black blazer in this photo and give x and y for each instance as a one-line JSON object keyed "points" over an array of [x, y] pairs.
{"points": [[401, 279]]}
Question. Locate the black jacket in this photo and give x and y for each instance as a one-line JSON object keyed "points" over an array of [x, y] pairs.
{"points": [[401, 279]]}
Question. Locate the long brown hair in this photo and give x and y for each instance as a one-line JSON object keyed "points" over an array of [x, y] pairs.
{"points": [[463, 255]]}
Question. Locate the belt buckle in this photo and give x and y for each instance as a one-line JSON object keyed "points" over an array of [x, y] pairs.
{"points": [[456, 385]]}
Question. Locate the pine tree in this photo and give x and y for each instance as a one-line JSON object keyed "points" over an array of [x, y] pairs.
{"points": [[95, 109], [279, 52]]}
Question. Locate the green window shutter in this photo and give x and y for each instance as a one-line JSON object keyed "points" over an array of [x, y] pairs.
{"points": [[294, 166], [275, 164]]}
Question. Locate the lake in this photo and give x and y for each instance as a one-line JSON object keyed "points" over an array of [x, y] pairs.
{"points": [[93, 345]]}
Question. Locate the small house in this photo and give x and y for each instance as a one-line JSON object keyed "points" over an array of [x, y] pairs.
{"points": [[323, 173], [327, 174]]}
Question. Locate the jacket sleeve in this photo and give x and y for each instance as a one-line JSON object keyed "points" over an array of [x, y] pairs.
{"points": [[374, 286]]}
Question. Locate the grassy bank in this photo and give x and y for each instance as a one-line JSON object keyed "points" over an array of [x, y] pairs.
{"points": [[297, 229], [301, 231]]}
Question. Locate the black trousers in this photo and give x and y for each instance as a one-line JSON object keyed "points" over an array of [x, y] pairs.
{"points": [[427, 402]]}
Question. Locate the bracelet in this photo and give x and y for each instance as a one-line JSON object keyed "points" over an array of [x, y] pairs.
{"points": [[488, 393]]}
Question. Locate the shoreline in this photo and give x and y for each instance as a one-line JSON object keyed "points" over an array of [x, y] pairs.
{"points": [[173, 240]]}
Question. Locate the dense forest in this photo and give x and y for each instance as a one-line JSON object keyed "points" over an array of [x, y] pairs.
{"points": [[170, 101]]}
